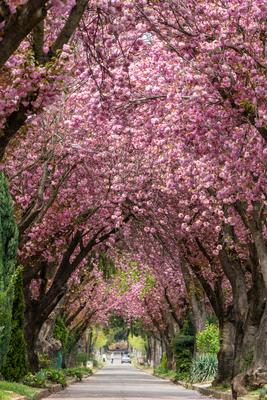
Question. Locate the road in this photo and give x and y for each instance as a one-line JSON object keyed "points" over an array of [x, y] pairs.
{"points": [[124, 382]]}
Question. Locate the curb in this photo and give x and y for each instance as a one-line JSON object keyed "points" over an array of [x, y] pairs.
{"points": [[43, 393], [46, 392], [213, 393], [55, 388], [206, 391]]}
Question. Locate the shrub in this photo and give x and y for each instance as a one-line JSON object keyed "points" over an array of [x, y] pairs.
{"points": [[44, 361], [208, 340], [78, 373], [67, 338], [38, 380], [181, 342], [86, 371], [75, 373], [183, 363], [204, 368], [56, 376], [183, 346], [163, 362], [15, 364], [43, 377], [81, 358]]}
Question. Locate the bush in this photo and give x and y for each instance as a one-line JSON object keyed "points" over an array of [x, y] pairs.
{"points": [[67, 338], [208, 340], [46, 376], [55, 376], [82, 358], [44, 361], [96, 363], [75, 373], [183, 363], [38, 380], [15, 364], [164, 362], [204, 368], [183, 346], [181, 342], [78, 373]]}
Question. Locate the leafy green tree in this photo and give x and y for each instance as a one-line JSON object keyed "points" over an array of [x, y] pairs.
{"points": [[15, 364], [68, 338], [99, 338], [208, 340], [137, 343], [8, 252]]}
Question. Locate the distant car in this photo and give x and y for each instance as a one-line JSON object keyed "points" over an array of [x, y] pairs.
{"points": [[125, 359]]}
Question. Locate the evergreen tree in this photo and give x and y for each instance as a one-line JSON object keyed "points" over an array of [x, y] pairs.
{"points": [[8, 252], [15, 365]]}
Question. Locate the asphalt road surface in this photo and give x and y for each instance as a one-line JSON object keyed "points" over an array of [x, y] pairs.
{"points": [[124, 382]]}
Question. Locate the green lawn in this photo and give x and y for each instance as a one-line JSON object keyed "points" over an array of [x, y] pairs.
{"points": [[18, 388], [224, 388], [165, 373], [4, 395]]}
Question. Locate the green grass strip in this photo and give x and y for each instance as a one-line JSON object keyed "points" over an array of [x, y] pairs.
{"points": [[4, 395], [18, 388]]}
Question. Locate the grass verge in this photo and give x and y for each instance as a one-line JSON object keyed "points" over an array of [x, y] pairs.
{"points": [[5, 395], [165, 373], [18, 388], [224, 388]]}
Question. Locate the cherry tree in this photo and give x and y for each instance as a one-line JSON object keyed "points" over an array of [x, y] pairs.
{"points": [[159, 151]]}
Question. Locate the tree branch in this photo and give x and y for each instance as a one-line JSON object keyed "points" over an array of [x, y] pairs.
{"points": [[15, 31], [19, 25], [38, 43], [67, 31]]}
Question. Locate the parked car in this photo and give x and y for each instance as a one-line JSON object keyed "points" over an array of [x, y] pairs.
{"points": [[125, 359]]}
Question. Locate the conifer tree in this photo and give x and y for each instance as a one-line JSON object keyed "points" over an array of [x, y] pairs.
{"points": [[15, 365], [8, 252]]}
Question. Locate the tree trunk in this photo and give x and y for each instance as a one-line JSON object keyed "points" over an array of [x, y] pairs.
{"points": [[157, 352], [196, 296], [258, 373], [64, 363], [148, 358], [250, 344], [199, 311], [226, 353], [33, 325], [170, 356], [32, 330], [255, 375]]}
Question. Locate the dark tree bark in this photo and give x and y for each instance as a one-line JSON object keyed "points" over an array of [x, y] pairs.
{"points": [[29, 17], [226, 353], [242, 321], [224, 316], [37, 311], [19, 25], [32, 329], [196, 296], [148, 358]]}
